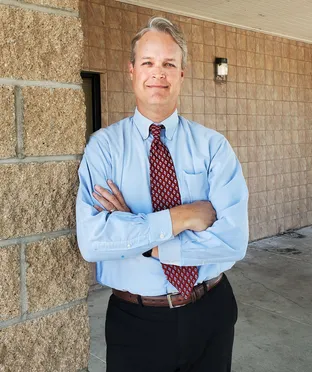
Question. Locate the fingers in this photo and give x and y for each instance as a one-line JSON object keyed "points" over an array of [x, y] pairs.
{"points": [[155, 252], [100, 197], [104, 203], [118, 195], [99, 209], [105, 198], [110, 202]]}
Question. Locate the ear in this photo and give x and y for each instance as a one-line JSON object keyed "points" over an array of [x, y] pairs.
{"points": [[182, 75], [130, 68]]}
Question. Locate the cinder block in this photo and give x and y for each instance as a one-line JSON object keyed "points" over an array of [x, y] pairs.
{"points": [[54, 343], [7, 122], [40, 46], [9, 282], [54, 121], [56, 273], [37, 197], [62, 4]]}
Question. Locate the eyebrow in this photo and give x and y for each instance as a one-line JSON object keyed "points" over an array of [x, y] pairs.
{"points": [[166, 59]]}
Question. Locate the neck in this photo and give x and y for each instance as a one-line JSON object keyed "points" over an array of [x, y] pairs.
{"points": [[156, 114]]}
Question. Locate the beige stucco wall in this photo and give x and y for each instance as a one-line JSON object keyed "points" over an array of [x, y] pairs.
{"points": [[265, 109], [43, 279]]}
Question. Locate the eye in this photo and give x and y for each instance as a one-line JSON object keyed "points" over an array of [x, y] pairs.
{"points": [[147, 63], [169, 64]]}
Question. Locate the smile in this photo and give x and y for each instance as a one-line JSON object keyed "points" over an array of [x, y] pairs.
{"points": [[157, 86]]}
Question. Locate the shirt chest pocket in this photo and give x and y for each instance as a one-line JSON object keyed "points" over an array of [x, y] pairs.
{"points": [[196, 186]]}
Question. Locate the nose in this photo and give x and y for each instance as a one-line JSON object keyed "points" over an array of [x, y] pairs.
{"points": [[159, 73]]}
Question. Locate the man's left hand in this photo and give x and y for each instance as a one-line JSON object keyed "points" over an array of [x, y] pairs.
{"points": [[111, 202], [155, 252]]}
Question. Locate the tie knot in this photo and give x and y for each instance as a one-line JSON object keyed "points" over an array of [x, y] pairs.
{"points": [[155, 130]]}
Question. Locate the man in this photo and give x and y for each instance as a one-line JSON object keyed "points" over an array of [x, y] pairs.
{"points": [[162, 209]]}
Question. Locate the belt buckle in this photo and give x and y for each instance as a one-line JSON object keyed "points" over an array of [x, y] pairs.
{"points": [[170, 301]]}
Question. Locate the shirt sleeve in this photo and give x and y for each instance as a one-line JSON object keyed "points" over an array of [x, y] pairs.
{"points": [[227, 239], [119, 235]]}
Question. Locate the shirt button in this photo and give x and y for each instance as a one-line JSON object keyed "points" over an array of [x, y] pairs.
{"points": [[162, 235], [128, 245]]}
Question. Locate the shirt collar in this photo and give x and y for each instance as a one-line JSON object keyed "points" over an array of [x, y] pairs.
{"points": [[144, 123]]}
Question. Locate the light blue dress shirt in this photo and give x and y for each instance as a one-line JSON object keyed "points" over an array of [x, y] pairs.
{"points": [[207, 169]]}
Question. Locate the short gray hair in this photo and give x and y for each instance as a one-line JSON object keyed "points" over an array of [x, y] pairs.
{"points": [[162, 25]]}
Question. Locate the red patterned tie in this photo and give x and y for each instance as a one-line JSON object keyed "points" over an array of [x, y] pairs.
{"points": [[165, 195]]}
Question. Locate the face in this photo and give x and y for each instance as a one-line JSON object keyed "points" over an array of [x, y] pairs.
{"points": [[157, 74]]}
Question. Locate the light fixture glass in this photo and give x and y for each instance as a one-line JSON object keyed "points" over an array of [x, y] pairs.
{"points": [[221, 70]]}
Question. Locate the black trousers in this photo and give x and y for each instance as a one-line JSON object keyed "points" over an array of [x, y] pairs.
{"points": [[197, 337]]}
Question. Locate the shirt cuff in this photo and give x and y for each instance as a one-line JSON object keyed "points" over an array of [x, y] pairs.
{"points": [[170, 252], [160, 226]]}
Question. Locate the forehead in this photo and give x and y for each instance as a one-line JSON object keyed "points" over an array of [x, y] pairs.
{"points": [[155, 43]]}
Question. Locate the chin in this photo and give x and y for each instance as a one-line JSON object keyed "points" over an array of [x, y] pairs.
{"points": [[158, 102], [159, 98]]}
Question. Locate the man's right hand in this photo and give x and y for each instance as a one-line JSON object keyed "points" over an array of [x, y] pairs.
{"points": [[197, 216]]}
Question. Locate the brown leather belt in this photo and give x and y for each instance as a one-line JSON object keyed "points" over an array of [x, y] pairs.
{"points": [[170, 300]]}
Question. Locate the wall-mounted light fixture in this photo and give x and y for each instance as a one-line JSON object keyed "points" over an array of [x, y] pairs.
{"points": [[221, 70]]}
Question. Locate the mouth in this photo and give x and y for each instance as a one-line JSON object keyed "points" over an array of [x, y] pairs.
{"points": [[158, 86]]}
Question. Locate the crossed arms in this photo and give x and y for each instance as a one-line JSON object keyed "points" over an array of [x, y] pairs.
{"points": [[190, 234], [197, 216]]}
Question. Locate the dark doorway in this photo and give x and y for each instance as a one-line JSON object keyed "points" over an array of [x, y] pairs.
{"points": [[92, 89]]}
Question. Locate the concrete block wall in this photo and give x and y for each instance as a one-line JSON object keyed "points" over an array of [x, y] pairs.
{"points": [[43, 279], [264, 110]]}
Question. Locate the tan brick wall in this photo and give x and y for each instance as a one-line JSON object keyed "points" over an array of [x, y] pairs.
{"points": [[43, 196], [44, 280], [9, 282], [48, 344], [54, 121], [56, 273], [40, 46], [264, 109], [66, 4], [7, 122]]}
